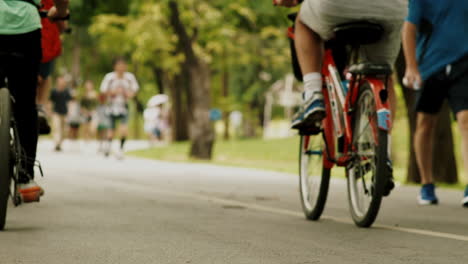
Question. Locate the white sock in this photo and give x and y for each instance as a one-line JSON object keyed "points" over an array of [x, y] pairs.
{"points": [[312, 84]]}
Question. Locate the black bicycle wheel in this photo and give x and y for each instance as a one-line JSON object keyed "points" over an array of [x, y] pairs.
{"points": [[367, 174], [314, 179], [5, 119]]}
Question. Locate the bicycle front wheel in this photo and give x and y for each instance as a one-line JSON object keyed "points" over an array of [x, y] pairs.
{"points": [[366, 175], [314, 178], [5, 119]]}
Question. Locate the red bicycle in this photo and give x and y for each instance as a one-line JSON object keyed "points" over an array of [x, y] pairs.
{"points": [[354, 133]]}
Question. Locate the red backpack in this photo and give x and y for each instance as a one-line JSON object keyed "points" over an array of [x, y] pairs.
{"points": [[51, 43]]}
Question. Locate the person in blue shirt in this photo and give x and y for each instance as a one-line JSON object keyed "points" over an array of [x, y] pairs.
{"points": [[435, 43]]}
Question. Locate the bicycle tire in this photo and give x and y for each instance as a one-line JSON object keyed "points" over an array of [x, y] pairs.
{"points": [[315, 153], [5, 177], [366, 217]]}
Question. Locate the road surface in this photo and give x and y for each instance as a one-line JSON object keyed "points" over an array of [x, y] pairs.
{"points": [[99, 210]]}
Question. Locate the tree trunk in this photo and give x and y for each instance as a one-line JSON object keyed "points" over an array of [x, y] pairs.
{"points": [[159, 77], [179, 108], [443, 158], [225, 93], [200, 126], [201, 130]]}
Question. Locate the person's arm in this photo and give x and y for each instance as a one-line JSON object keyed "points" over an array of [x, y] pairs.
{"points": [[105, 85], [62, 25], [59, 10], [410, 30], [134, 87], [412, 75]]}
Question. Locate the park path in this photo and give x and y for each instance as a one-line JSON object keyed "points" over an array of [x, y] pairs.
{"points": [[99, 210]]}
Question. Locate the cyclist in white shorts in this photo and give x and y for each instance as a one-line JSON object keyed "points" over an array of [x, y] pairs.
{"points": [[315, 24]]}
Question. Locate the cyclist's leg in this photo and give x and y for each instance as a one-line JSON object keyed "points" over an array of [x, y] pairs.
{"points": [[309, 47], [386, 51], [311, 31], [22, 77]]}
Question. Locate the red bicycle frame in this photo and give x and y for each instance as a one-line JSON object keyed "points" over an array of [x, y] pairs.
{"points": [[340, 102]]}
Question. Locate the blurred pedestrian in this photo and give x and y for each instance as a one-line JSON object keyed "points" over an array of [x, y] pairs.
{"points": [[60, 96], [51, 49], [88, 102], [102, 119], [120, 87], [156, 118], [74, 118]]}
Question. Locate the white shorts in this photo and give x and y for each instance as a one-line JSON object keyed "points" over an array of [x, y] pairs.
{"points": [[322, 16]]}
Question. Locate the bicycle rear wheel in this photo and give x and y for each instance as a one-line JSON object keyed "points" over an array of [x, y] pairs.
{"points": [[5, 177], [314, 178], [367, 174]]}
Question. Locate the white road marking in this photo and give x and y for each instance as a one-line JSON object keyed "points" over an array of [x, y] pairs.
{"points": [[279, 211]]}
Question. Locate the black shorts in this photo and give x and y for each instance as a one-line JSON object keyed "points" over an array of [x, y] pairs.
{"points": [[451, 83], [46, 69], [74, 125], [121, 118]]}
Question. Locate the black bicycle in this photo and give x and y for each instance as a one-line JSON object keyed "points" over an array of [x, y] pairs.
{"points": [[13, 159]]}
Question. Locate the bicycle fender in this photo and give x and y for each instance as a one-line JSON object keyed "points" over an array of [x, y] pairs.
{"points": [[384, 115]]}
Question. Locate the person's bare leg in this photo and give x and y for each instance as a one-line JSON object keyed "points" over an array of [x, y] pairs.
{"points": [[309, 48], [462, 119], [423, 146], [43, 92], [123, 135]]}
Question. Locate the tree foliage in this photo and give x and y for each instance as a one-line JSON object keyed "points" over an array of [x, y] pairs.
{"points": [[237, 40]]}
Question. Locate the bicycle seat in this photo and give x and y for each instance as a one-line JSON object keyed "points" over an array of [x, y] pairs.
{"points": [[358, 33], [367, 68]]}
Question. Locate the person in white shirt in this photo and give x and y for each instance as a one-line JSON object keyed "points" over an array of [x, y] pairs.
{"points": [[119, 87]]}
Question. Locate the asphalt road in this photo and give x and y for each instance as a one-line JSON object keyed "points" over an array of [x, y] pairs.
{"points": [[99, 210]]}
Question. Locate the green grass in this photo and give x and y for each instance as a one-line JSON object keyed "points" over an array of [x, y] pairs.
{"points": [[276, 155], [282, 154]]}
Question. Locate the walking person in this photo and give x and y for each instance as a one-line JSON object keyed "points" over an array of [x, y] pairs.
{"points": [[119, 87], [155, 117], [60, 97], [436, 52], [74, 119], [51, 49], [102, 120], [88, 102]]}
